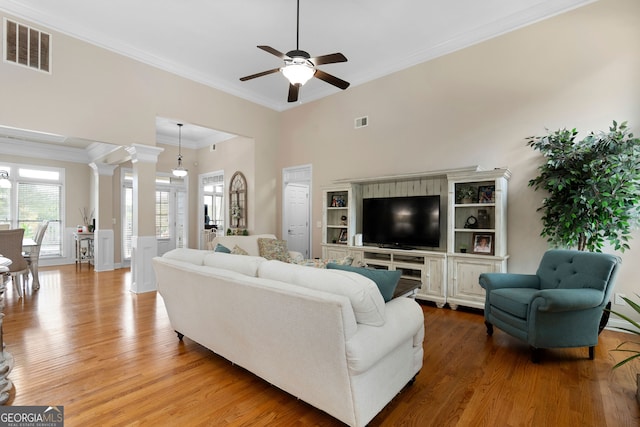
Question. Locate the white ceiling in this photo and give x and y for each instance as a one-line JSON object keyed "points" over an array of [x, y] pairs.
{"points": [[214, 41]]}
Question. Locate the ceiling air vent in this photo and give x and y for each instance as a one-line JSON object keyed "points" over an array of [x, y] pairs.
{"points": [[362, 122], [27, 46]]}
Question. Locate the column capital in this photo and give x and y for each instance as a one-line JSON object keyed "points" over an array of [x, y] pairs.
{"points": [[144, 153], [102, 169]]}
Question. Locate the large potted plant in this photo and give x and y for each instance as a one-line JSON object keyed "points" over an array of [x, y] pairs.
{"points": [[593, 187]]}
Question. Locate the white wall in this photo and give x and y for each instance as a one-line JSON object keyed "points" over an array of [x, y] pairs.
{"points": [[477, 106], [98, 95]]}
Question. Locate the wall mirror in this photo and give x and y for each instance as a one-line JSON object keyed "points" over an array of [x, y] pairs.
{"points": [[238, 201]]}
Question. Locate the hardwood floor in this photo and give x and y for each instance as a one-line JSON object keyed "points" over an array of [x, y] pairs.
{"points": [[111, 358]]}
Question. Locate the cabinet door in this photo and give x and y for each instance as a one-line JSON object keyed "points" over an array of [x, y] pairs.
{"points": [[329, 252], [464, 287], [433, 281]]}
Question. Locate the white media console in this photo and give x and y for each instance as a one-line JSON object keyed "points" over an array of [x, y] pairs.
{"points": [[447, 274]]}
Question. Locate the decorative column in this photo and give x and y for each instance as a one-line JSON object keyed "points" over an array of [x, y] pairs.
{"points": [[144, 245], [103, 235]]}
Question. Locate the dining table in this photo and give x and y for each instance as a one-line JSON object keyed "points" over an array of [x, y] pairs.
{"points": [[28, 245]]}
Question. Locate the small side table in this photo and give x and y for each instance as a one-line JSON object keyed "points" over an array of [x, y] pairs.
{"points": [[84, 248]]}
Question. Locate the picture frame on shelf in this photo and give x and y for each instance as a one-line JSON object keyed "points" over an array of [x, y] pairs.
{"points": [[343, 236], [337, 202], [483, 244], [486, 194]]}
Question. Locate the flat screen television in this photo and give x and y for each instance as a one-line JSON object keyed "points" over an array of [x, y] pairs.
{"points": [[401, 222]]}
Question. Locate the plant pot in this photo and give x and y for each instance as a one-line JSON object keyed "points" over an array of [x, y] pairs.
{"points": [[638, 388]]}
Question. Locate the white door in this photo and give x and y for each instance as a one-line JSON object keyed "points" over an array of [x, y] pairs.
{"points": [[296, 215]]}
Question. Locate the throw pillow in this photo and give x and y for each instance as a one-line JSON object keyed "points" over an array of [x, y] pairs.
{"points": [[273, 249], [237, 250], [221, 248], [386, 280]]}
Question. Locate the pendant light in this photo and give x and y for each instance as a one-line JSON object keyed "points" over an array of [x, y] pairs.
{"points": [[179, 171]]}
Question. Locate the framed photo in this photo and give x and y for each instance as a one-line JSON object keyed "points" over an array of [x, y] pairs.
{"points": [[343, 236], [338, 202], [486, 194], [482, 243]]}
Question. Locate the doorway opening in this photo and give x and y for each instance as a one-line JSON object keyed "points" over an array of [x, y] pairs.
{"points": [[296, 208]]}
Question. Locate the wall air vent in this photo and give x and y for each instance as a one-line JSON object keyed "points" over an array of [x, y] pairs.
{"points": [[362, 122], [27, 46]]}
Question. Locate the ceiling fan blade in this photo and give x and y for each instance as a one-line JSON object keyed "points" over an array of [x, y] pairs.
{"points": [[328, 59], [293, 93], [273, 52], [332, 80], [264, 73]]}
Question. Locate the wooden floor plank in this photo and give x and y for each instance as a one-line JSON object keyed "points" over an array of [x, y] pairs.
{"points": [[111, 358]]}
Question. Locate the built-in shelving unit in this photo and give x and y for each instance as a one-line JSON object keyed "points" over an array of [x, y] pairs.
{"points": [[473, 230], [477, 232], [338, 220]]}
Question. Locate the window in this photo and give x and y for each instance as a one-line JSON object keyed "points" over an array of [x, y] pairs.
{"points": [[162, 214], [213, 200], [36, 194], [170, 213], [27, 46]]}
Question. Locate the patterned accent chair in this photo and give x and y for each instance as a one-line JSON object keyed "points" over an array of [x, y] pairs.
{"points": [[559, 306]]}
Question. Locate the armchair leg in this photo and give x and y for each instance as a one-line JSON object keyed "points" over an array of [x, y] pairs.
{"points": [[489, 328], [592, 352], [535, 355]]}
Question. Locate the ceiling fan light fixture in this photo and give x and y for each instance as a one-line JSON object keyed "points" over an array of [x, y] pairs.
{"points": [[298, 72], [179, 171]]}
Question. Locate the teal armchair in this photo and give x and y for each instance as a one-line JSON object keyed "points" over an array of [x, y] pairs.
{"points": [[559, 306]]}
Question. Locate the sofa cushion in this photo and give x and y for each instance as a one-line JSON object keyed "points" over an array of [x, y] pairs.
{"points": [[221, 248], [193, 256], [385, 280], [366, 300], [514, 301], [245, 264], [273, 249]]}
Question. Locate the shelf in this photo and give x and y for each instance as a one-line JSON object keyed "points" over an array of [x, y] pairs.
{"points": [[474, 230], [474, 205]]}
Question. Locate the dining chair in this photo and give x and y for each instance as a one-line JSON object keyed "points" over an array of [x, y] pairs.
{"points": [[32, 255], [5, 226], [11, 247]]}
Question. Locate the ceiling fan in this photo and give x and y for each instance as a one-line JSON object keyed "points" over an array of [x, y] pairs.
{"points": [[299, 66]]}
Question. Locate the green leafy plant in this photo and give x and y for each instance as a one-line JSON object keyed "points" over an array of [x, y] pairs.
{"points": [[632, 347], [593, 187], [466, 192]]}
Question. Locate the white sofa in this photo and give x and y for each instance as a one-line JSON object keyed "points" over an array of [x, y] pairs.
{"points": [[324, 336]]}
